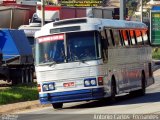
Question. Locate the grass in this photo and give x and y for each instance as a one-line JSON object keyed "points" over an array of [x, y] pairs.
{"points": [[156, 53], [18, 93]]}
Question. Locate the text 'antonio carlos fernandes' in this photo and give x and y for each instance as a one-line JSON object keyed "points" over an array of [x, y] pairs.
{"points": [[126, 117]]}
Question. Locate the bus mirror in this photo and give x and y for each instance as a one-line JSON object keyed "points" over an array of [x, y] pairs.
{"points": [[100, 28]]}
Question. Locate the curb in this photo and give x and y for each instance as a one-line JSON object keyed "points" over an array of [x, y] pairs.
{"points": [[156, 65], [10, 108], [156, 62], [156, 68]]}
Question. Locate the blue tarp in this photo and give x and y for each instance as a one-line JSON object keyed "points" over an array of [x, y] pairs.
{"points": [[14, 43], [155, 8]]}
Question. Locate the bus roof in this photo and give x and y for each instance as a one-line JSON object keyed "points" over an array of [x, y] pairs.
{"points": [[88, 24]]}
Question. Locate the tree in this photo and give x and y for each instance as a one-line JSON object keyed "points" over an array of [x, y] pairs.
{"points": [[132, 7]]}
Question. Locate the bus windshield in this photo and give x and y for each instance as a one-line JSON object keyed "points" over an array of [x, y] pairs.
{"points": [[80, 46], [50, 49]]}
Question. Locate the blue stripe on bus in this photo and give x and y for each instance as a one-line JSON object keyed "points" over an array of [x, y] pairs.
{"points": [[71, 96]]}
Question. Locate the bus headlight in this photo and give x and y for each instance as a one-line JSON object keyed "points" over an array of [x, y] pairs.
{"points": [[90, 82], [51, 86], [86, 83], [45, 87], [48, 86], [93, 82]]}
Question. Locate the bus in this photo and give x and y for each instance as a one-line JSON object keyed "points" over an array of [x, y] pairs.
{"points": [[86, 59]]}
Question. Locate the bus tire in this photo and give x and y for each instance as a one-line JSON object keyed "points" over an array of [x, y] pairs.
{"points": [[142, 91], [57, 105], [113, 91]]}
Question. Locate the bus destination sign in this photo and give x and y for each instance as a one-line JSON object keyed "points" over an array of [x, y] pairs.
{"points": [[51, 38]]}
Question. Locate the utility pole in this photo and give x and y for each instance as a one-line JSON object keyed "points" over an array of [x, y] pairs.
{"points": [[141, 10], [43, 14], [11, 19], [122, 9]]}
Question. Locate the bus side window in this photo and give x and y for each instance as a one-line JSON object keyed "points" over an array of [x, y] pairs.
{"points": [[105, 36], [116, 37], [128, 37], [112, 38], [145, 37], [104, 46], [139, 37], [132, 37], [134, 34], [110, 41], [142, 38], [125, 37], [121, 38]]}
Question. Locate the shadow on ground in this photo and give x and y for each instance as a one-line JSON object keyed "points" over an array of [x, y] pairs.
{"points": [[121, 100]]}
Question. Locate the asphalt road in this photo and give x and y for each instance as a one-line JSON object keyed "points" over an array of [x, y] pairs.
{"points": [[125, 108]]}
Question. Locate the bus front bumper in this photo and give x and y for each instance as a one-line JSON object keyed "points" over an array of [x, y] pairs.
{"points": [[72, 96]]}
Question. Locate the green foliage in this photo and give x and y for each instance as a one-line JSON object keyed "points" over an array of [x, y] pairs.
{"points": [[132, 5], [145, 1], [18, 93], [156, 53]]}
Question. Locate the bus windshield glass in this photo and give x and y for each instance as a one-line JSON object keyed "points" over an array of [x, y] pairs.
{"points": [[80, 46], [50, 49]]}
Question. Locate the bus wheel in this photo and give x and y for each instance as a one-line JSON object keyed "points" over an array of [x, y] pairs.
{"points": [[142, 91], [57, 105], [113, 91]]}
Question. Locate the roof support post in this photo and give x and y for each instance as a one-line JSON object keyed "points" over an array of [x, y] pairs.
{"points": [[43, 14], [122, 9]]}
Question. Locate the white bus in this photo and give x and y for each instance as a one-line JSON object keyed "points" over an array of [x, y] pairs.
{"points": [[90, 58]]}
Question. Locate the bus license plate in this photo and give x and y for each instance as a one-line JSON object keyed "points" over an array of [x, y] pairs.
{"points": [[69, 84]]}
